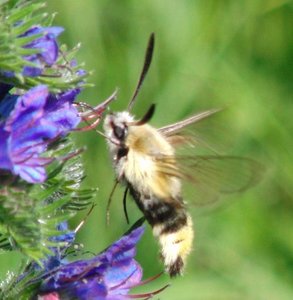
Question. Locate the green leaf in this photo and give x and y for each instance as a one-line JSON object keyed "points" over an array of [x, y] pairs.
{"points": [[49, 208], [32, 21], [23, 11], [21, 41]]}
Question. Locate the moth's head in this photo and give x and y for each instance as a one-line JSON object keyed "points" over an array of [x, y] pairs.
{"points": [[116, 126]]}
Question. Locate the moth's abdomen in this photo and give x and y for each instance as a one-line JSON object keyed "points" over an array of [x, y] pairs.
{"points": [[172, 226]]}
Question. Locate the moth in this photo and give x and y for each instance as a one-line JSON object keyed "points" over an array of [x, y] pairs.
{"points": [[145, 160]]}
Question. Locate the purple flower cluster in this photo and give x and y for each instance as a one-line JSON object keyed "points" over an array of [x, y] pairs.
{"points": [[109, 276], [28, 123], [31, 121], [47, 49], [46, 44]]}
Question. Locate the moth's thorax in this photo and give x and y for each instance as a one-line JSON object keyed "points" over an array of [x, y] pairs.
{"points": [[140, 167], [143, 139]]}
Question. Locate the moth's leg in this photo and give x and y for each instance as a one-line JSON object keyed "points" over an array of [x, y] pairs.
{"points": [[85, 218], [109, 203], [124, 205]]}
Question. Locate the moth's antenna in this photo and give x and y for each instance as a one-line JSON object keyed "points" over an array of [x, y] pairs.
{"points": [[148, 115], [146, 65]]}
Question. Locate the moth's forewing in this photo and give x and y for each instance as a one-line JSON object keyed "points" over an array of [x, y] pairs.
{"points": [[204, 131], [198, 162], [216, 176], [213, 176], [177, 127]]}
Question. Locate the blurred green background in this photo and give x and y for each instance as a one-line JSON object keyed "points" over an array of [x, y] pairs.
{"points": [[208, 54]]}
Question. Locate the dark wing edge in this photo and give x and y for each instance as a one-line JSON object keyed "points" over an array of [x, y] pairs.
{"points": [[176, 127]]}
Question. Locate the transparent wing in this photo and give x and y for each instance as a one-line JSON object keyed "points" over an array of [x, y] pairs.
{"points": [[205, 131], [212, 175], [197, 140], [178, 126]]}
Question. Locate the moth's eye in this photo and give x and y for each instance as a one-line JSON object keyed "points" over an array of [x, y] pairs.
{"points": [[119, 132]]}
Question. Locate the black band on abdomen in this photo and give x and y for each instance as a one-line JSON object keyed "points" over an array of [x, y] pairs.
{"points": [[160, 212]]}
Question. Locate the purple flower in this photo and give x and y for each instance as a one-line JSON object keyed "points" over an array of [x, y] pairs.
{"points": [[30, 123], [47, 45], [108, 276], [67, 238]]}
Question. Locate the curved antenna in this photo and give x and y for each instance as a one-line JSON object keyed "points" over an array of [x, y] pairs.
{"points": [[148, 115], [146, 65]]}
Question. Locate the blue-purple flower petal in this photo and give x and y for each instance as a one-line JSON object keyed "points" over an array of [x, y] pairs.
{"points": [[5, 162], [48, 47], [108, 276], [29, 122], [61, 111], [27, 109]]}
